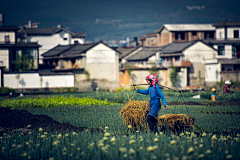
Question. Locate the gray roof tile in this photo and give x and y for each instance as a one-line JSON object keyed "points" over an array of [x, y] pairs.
{"points": [[145, 53]]}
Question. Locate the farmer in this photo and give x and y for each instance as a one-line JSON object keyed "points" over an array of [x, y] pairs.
{"points": [[227, 87], [155, 94]]}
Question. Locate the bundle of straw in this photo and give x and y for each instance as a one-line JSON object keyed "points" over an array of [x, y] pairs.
{"points": [[176, 121], [135, 113]]}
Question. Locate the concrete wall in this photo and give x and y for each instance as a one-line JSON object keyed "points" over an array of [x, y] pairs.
{"points": [[103, 63], [210, 72], [10, 34], [229, 75], [4, 58], [32, 80]]}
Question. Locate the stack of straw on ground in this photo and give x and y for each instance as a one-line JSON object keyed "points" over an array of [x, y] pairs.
{"points": [[135, 114]]}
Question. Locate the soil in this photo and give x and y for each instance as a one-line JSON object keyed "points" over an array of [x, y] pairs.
{"points": [[24, 121]]}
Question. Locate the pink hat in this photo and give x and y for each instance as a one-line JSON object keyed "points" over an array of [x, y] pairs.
{"points": [[153, 78]]}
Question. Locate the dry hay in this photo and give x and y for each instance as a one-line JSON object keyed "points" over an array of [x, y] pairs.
{"points": [[135, 113], [176, 121]]}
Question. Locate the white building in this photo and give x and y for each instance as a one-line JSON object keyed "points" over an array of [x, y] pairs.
{"points": [[51, 37]]}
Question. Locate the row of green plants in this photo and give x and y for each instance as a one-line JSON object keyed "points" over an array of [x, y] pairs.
{"points": [[111, 145], [61, 90], [55, 101]]}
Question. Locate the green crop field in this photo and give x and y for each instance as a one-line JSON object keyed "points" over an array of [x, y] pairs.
{"points": [[216, 134]]}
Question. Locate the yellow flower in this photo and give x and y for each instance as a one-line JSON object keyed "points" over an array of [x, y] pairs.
{"points": [[137, 131], [105, 138], [214, 138], [154, 157], [129, 126], [156, 140], [51, 158], [27, 143], [74, 133], [182, 134], [106, 127], [141, 148], [190, 150], [24, 154], [66, 135], [200, 145], [208, 151], [200, 156], [155, 147], [173, 142], [131, 151], [229, 156], [150, 149], [204, 134], [107, 134], [113, 139], [14, 145], [40, 129], [45, 133], [123, 149], [132, 141], [43, 136], [78, 149]]}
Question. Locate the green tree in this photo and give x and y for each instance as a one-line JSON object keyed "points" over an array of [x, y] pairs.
{"points": [[199, 77], [217, 75], [173, 75], [237, 74], [87, 74]]}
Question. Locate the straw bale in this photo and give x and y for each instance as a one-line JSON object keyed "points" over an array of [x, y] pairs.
{"points": [[176, 121], [135, 113]]}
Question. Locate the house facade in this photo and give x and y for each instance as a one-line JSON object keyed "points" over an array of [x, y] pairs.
{"points": [[227, 61], [98, 59], [169, 33], [15, 55], [50, 37], [188, 57]]}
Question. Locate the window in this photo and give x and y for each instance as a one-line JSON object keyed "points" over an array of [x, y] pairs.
{"points": [[64, 39], [236, 34], [208, 35], [179, 35], [6, 39], [221, 50], [75, 42], [177, 58], [194, 33]]}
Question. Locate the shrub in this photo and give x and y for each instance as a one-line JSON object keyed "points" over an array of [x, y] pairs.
{"points": [[4, 90]]}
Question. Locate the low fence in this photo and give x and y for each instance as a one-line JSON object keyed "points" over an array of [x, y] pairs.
{"points": [[34, 80]]}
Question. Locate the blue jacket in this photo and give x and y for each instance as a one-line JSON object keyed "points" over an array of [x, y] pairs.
{"points": [[154, 93]]}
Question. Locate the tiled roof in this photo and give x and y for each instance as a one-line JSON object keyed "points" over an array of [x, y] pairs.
{"points": [[68, 50], [176, 47], [214, 41], [9, 28], [188, 27], [44, 31], [227, 24], [20, 45], [79, 35], [151, 34], [125, 51], [145, 53]]}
